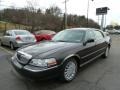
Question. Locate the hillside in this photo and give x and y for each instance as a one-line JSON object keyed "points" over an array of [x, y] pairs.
{"points": [[7, 25]]}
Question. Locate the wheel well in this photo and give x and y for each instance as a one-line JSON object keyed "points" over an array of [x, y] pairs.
{"points": [[76, 58], [109, 45]]}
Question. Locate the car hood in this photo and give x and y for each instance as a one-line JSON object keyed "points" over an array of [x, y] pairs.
{"points": [[45, 47]]}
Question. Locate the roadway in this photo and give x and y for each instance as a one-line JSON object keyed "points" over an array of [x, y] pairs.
{"points": [[102, 74]]}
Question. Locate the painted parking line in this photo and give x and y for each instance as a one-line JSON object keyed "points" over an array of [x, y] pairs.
{"points": [[8, 51]]}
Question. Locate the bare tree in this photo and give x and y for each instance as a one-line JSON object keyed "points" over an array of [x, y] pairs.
{"points": [[31, 17]]}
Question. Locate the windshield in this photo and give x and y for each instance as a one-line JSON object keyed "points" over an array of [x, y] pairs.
{"points": [[22, 32], [69, 36]]}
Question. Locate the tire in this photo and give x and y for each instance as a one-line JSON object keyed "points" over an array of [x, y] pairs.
{"points": [[1, 43], [106, 53], [12, 46], [69, 70]]}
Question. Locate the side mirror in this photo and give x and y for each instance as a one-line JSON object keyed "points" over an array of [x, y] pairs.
{"points": [[88, 41]]}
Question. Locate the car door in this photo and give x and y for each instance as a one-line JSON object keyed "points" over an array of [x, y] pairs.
{"points": [[88, 47], [100, 42]]}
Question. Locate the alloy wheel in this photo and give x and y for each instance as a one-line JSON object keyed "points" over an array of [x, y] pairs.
{"points": [[70, 70]]}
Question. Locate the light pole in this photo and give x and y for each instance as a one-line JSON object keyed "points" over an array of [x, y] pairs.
{"points": [[88, 6], [65, 14]]}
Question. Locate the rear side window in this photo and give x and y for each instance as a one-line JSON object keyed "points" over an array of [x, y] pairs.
{"points": [[98, 35]]}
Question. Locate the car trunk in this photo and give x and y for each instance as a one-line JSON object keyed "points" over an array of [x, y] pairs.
{"points": [[26, 38]]}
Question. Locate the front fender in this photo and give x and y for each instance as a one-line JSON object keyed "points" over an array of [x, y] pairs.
{"points": [[71, 56]]}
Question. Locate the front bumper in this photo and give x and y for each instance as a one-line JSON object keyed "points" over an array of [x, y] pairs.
{"points": [[32, 72]]}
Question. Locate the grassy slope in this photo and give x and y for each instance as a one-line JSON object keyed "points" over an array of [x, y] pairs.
{"points": [[11, 26]]}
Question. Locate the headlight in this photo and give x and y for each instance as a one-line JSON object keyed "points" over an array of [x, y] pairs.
{"points": [[43, 62]]}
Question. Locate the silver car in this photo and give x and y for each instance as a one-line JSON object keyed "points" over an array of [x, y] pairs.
{"points": [[17, 38]]}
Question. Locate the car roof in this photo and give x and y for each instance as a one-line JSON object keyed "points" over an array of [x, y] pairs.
{"points": [[17, 30]]}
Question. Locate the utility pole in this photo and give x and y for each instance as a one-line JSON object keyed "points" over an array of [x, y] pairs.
{"points": [[65, 13], [0, 12], [88, 6]]}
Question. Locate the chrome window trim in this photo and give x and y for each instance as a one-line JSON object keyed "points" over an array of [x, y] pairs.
{"points": [[92, 53], [91, 60]]}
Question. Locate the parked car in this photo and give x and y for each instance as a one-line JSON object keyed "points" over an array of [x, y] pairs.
{"points": [[107, 37], [44, 35], [114, 31], [62, 56], [17, 38]]}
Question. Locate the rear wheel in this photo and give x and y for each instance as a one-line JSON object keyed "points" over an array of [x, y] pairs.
{"points": [[69, 70], [12, 46], [106, 53]]}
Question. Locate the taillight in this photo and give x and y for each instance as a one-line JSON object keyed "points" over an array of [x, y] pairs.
{"points": [[18, 38]]}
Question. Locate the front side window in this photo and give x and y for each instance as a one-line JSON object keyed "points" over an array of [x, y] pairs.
{"points": [[69, 36]]}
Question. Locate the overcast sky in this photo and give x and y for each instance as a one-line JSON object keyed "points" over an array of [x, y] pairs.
{"points": [[75, 7]]}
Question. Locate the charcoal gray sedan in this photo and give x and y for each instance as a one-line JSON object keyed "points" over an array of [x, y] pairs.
{"points": [[62, 56], [17, 38]]}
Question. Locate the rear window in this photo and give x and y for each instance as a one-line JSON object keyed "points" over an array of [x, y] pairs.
{"points": [[22, 33], [45, 32]]}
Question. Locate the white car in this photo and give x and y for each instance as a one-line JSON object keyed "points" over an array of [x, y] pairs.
{"points": [[17, 38]]}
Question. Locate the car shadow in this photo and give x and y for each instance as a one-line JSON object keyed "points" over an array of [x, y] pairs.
{"points": [[91, 64]]}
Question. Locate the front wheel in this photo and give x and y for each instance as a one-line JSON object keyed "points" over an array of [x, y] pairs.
{"points": [[69, 70], [106, 53]]}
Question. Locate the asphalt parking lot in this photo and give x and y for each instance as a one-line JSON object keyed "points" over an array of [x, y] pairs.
{"points": [[102, 74]]}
